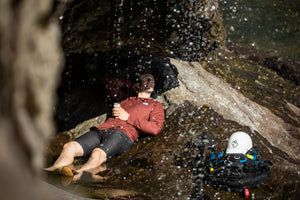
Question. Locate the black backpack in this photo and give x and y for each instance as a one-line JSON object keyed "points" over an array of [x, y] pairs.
{"points": [[236, 172]]}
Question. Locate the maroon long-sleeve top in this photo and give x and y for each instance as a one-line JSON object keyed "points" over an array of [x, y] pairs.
{"points": [[145, 115]]}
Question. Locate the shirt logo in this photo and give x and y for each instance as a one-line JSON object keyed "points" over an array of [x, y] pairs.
{"points": [[145, 103]]}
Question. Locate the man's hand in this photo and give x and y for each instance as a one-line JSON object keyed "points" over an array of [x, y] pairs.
{"points": [[120, 113]]}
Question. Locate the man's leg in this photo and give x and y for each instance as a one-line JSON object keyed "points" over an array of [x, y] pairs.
{"points": [[97, 157], [114, 142], [70, 151]]}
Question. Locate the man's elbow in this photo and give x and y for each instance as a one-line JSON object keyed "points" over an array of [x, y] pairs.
{"points": [[156, 131]]}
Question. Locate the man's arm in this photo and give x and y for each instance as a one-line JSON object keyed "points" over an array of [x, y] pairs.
{"points": [[151, 126]]}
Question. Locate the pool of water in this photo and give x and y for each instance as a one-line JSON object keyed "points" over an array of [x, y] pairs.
{"points": [[272, 27]]}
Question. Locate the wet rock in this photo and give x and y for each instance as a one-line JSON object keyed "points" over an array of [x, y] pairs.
{"points": [[286, 68], [184, 29]]}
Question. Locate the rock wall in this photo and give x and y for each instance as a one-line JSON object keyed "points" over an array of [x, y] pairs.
{"points": [[174, 28]]}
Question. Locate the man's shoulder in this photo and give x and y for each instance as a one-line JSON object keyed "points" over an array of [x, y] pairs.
{"points": [[159, 100], [156, 101], [129, 99], [157, 104]]}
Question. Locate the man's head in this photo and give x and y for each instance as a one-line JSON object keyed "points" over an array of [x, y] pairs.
{"points": [[146, 83]]}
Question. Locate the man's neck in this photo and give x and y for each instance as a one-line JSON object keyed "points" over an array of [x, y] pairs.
{"points": [[144, 95]]}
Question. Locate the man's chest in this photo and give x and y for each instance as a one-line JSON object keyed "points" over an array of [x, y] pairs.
{"points": [[138, 108]]}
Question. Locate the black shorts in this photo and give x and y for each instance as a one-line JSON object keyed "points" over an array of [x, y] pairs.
{"points": [[111, 141]]}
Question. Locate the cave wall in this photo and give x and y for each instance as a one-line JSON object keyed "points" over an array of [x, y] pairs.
{"points": [[175, 28]]}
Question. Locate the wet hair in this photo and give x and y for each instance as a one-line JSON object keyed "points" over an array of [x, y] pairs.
{"points": [[145, 76]]}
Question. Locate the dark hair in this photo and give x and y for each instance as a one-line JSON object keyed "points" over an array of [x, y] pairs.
{"points": [[142, 76]]}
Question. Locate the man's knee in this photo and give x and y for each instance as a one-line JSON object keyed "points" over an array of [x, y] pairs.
{"points": [[70, 145], [98, 153], [73, 147]]}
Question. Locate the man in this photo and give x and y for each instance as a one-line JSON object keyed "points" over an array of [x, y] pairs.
{"points": [[116, 135]]}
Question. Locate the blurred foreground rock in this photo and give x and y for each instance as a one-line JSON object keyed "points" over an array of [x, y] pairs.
{"points": [[30, 61]]}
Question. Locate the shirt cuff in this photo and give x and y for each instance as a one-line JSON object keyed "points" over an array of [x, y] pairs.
{"points": [[131, 120]]}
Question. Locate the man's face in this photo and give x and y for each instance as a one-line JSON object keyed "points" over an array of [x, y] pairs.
{"points": [[147, 83]]}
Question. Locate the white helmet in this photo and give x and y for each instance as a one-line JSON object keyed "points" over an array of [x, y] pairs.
{"points": [[239, 142]]}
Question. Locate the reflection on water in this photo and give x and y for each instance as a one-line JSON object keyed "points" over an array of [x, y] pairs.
{"points": [[270, 26]]}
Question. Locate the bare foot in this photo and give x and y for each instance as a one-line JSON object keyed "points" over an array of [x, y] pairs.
{"points": [[77, 176], [50, 169], [65, 171]]}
